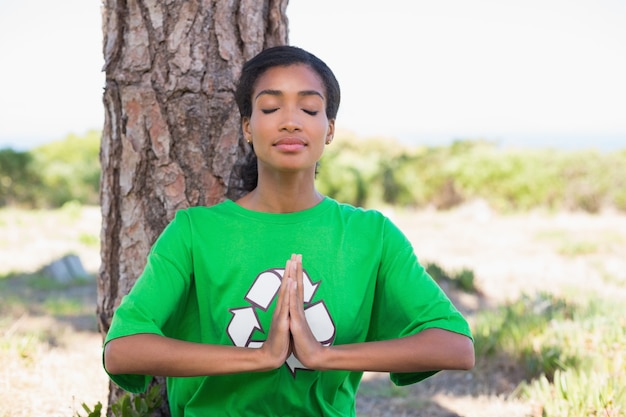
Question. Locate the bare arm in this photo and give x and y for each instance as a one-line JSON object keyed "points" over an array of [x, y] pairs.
{"points": [[151, 354], [431, 349]]}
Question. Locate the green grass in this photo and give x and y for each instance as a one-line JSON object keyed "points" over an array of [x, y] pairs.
{"points": [[463, 279], [23, 346], [573, 352], [371, 171], [39, 296], [37, 290], [44, 283], [576, 248], [607, 277], [35, 318], [89, 239], [63, 307], [576, 393], [383, 388], [572, 348]]}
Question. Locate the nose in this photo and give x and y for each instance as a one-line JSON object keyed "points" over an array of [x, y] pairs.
{"points": [[291, 121]]}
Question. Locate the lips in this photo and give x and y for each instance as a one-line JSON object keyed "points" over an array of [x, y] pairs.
{"points": [[289, 144]]}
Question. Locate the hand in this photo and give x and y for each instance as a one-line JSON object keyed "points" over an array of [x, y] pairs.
{"points": [[277, 347], [305, 347]]}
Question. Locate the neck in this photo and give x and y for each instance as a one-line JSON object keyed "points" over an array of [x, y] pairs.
{"points": [[281, 195]]}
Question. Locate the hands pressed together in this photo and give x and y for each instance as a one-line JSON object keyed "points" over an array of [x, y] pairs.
{"points": [[289, 331]]}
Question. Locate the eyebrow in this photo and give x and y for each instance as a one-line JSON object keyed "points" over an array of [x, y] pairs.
{"points": [[303, 93]]}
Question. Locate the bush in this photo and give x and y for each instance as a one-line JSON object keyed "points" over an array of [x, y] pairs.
{"points": [[572, 353], [19, 181], [463, 279], [367, 172], [70, 169], [140, 405], [52, 174]]}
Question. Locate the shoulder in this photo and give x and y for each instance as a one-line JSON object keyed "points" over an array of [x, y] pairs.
{"points": [[368, 221], [190, 213], [372, 216], [187, 220]]}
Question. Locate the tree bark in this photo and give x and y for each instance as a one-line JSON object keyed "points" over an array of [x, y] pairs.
{"points": [[171, 133]]}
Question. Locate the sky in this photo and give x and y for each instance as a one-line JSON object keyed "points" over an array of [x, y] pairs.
{"points": [[417, 70]]}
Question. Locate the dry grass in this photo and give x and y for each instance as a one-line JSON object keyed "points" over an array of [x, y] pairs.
{"points": [[50, 351]]}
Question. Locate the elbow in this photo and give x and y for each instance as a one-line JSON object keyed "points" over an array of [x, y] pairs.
{"points": [[467, 363], [467, 356], [112, 363]]}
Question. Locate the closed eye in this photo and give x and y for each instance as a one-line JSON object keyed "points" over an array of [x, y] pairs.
{"points": [[310, 112], [268, 111]]}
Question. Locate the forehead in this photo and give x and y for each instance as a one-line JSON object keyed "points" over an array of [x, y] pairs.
{"points": [[292, 78]]}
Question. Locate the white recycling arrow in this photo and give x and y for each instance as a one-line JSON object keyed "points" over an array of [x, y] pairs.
{"points": [[261, 294], [320, 322], [309, 287], [323, 329], [293, 363], [242, 325], [264, 289]]}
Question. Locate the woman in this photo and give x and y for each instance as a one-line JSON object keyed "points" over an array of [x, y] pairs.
{"points": [[276, 303]]}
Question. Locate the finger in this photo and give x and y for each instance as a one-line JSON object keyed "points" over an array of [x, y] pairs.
{"points": [[282, 305], [287, 273], [293, 260], [284, 298], [296, 307], [293, 273], [300, 278], [293, 267]]}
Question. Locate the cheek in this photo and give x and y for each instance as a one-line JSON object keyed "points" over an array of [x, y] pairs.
{"points": [[259, 123]]}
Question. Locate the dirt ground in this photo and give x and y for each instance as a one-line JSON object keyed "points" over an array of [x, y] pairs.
{"points": [[51, 365]]}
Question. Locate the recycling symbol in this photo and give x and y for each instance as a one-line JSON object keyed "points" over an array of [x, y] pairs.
{"points": [[264, 290]]}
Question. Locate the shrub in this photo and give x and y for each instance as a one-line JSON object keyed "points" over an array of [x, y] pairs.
{"points": [[19, 180], [463, 279], [143, 405], [573, 353], [70, 169]]}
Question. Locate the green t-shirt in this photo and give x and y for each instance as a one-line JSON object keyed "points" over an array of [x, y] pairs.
{"points": [[213, 277]]}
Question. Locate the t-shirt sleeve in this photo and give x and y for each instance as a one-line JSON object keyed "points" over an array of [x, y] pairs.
{"points": [[156, 294], [408, 300]]}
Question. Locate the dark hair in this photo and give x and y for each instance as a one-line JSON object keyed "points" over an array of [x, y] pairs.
{"points": [[282, 56], [279, 56]]}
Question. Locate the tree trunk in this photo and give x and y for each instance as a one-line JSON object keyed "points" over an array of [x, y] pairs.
{"points": [[171, 132]]}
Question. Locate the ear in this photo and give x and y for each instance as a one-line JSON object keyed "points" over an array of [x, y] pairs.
{"points": [[331, 131], [245, 127]]}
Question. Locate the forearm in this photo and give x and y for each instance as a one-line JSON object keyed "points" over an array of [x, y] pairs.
{"points": [[431, 349], [150, 354]]}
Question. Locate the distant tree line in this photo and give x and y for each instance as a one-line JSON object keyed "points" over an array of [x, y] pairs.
{"points": [[385, 171], [53, 174], [366, 172]]}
